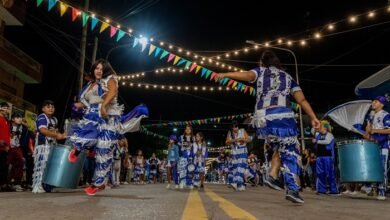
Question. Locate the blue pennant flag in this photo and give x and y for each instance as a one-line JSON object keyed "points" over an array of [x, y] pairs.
{"points": [[157, 51], [94, 22]]}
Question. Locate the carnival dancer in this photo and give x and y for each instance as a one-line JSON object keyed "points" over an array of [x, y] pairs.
{"points": [[273, 118], [153, 162], [221, 166], [102, 122], [172, 160], [237, 138], [325, 168], [200, 154], [378, 130], [47, 136], [139, 168], [251, 175], [186, 166]]}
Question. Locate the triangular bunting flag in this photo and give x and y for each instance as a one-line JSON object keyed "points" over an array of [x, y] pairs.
{"points": [[39, 2], [135, 42], [113, 31], [251, 90], [188, 65], [120, 35], [85, 17], [164, 54], [151, 49], [63, 8], [51, 4], [171, 56], [192, 67], [219, 120], [157, 51], [203, 71], [253, 93], [230, 82], [177, 58], [246, 89], [143, 46], [225, 80], [94, 22], [103, 27], [234, 84], [213, 75], [197, 69], [181, 62], [239, 86], [75, 13], [208, 73], [242, 87]]}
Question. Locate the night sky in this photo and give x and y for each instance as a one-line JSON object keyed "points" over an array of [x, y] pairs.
{"points": [[328, 67]]}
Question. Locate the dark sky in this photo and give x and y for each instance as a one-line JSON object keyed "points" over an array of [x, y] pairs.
{"points": [[208, 26]]}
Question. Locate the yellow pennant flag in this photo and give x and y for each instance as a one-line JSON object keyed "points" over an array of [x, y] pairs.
{"points": [[177, 58], [234, 84], [151, 49], [104, 27], [63, 8], [197, 69], [250, 90]]}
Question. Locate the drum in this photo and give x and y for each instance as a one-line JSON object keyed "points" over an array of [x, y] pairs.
{"points": [[59, 171], [360, 161]]}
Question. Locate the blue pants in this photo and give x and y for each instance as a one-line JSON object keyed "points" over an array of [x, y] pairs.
{"points": [[174, 172], [326, 175]]}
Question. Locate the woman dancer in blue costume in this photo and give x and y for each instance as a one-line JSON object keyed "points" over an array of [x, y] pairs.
{"points": [[102, 122], [186, 166], [274, 120]]}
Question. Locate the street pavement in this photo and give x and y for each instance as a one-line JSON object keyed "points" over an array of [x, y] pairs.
{"points": [[154, 201]]}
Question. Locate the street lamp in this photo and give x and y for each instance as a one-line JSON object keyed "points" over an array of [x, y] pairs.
{"points": [[297, 79]]}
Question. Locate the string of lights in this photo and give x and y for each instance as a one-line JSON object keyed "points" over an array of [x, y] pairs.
{"points": [[149, 86], [318, 33]]}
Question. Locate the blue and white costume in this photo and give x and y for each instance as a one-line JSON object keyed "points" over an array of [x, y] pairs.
{"points": [[103, 133], [42, 149], [139, 169], [153, 163], [275, 121], [325, 168], [229, 170], [381, 120], [221, 165], [239, 158], [200, 155], [186, 165]]}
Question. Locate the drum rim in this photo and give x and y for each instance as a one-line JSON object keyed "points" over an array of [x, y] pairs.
{"points": [[357, 141], [62, 145]]}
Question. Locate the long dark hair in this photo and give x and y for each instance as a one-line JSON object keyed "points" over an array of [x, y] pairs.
{"points": [[269, 58], [107, 68]]}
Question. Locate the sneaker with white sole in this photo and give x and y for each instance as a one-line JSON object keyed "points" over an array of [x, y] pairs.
{"points": [[273, 183], [168, 186], [381, 198], [176, 186], [241, 188], [294, 197]]}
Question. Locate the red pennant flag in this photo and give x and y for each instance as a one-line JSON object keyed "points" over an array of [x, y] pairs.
{"points": [[246, 89], [213, 75], [113, 31], [230, 82], [75, 13], [192, 67]]}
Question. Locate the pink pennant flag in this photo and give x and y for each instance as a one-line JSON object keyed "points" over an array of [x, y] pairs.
{"points": [[230, 82], [113, 31], [246, 89], [171, 56], [192, 67], [213, 75], [75, 13]]}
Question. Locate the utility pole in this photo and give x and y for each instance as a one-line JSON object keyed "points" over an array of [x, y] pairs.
{"points": [[95, 47], [83, 45]]}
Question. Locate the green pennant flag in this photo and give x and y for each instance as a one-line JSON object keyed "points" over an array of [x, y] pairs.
{"points": [[225, 80], [208, 74], [120, 35], [39, 2], [164, 54], [85, 17], [188, 64], [181, 62]]}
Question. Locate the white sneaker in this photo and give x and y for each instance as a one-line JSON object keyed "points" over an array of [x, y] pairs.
{"points": [[381, 198], [346, 192], [354, 193], [18, 188], [191, 187], [125, 183], [181, 186], [241, 188], [176, 186], [168, 186]]}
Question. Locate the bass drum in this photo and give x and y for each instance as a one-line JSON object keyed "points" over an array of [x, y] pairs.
{"points": [[360, 161], [59, 171]]}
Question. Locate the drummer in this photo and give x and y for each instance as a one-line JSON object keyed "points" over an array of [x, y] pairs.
{"points": [[237, 138], [378, 130], [325, 170], [47, 135]]}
